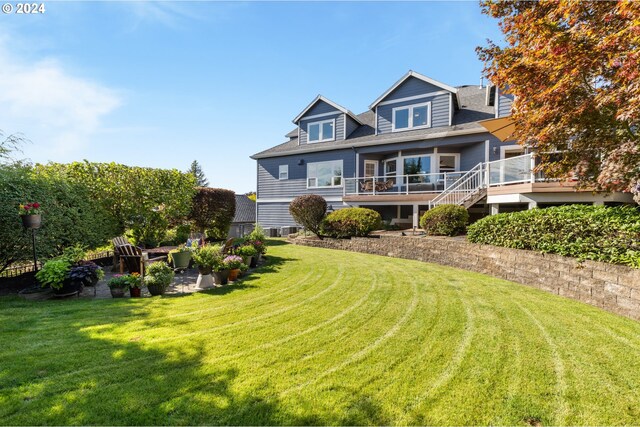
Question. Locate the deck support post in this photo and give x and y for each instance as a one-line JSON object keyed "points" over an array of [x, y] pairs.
{"points": [[416, 223], [495, 208]]}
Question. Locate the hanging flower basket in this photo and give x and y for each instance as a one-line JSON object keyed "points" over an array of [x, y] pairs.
{"points": [[31, 221]]}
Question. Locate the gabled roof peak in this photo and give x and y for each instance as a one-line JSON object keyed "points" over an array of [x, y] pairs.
{"points": [[418, 76], [328, 101]]}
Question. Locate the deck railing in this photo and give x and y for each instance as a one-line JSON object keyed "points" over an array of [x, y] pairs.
{"points": [[514, 170], [400, 184], [463, 189]]}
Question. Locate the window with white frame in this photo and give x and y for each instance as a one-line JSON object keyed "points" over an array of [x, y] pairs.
{"points": [[324, 130], [411, 117], [324, 174], [283, 172]]}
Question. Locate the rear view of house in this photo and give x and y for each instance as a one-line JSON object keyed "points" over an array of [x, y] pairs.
{"points": [[420, 144]]}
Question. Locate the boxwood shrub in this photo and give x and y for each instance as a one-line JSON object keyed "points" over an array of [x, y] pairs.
{"points": [[609, 234], [445, 220], [351, 222]]}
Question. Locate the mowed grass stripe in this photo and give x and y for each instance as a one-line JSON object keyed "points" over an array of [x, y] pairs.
{"points": [[395, 342]]}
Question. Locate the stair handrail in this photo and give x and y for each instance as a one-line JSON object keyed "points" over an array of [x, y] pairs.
{"points": [[455, 188]]}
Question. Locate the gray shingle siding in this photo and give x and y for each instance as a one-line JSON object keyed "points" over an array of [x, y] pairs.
{"points": [[411, 87], [439, 112], [350, 126], [274, 215], [339, 129], [503, 107], [321, 107], [269, 186]]}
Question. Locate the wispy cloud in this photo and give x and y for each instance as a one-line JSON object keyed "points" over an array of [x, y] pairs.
{"points": [[47, 103]]}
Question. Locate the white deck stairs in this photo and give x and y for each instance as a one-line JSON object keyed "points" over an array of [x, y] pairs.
{"points": [[466, 191]]}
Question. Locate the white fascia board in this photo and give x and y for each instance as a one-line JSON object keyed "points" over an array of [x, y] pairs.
{"points": [[419, 76]]}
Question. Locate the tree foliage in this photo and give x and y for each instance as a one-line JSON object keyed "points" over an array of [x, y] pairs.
{"points": [[574, 68], [309, 211], [213, 210], [196, 171], [147, 201], [69, 215]]}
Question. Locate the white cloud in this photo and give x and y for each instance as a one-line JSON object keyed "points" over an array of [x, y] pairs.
{"points": [[49, 105]]}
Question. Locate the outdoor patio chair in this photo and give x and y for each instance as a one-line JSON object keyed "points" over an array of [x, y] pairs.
{"points": [[366, 186], [135, 260], [118, 241], [228, 246]]}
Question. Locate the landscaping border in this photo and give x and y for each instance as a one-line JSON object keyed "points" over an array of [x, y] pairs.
{"points": [[615, 288]]}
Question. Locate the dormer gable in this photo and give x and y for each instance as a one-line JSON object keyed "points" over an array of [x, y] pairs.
{"points": [[324, 121], [415, 102]]}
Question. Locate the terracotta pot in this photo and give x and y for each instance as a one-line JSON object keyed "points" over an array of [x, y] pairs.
{"points": [[117, 292], [135, 292], [233, 274], [31, 221]]}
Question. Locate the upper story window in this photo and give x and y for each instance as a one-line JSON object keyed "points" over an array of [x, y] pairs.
{"points": [[324, 174], [283, 172], [412, 117], [321, 131]]}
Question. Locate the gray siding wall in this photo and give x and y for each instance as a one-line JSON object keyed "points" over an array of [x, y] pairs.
{"points": [[439, 111], [503, 107], [269, 186], [321, 107], [277, 214], [471, 155], [339, 129], [350, 126], [411, 87]]}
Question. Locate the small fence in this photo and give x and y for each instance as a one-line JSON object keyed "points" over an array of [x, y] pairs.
{"points": [[24, 268]]}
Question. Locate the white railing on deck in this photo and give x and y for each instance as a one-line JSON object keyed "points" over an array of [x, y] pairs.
{"points": [[514, 170], [463, 189], [400, 184]]}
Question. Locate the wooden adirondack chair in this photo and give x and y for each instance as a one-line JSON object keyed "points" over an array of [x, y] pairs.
{"points": [[133, 257], [228, 246], [118, 241]]}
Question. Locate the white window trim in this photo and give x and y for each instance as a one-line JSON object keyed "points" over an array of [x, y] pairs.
{"points": [[375, 167], [457, 164], [332, 176], [511, 148], [410, 108], [320, 123], [399, 166], [280, 172]]}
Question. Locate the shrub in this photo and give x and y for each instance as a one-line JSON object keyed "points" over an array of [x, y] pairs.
{"points": [[445, 220], [158, 274], [309, 211], [212, 211], [246, 250], [209, 256], [257, 233], [610, 234], [351, 222]]}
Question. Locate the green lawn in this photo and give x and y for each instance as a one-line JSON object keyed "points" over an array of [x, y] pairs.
{"points": [[322, 337]]}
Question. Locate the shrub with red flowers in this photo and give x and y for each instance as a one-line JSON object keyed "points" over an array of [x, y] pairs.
{"points": [[29, 208]]}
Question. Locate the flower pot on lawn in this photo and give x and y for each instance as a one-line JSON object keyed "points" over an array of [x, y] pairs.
{"points": [[156, 289], [117, 292], [233, 274], [135, 292], [248, 260], [181, 259], [31, 221], [254, 262], [69, 287]]}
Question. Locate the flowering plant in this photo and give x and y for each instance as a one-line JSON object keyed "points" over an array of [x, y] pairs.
{"points": [[134, 280], [260, 246], [29, 208], [119, 281], [233, 261]]}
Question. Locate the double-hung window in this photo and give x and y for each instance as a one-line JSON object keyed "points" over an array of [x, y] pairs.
{"points": [[283, 172], [322, 131], [411, 117], [324, 174]]}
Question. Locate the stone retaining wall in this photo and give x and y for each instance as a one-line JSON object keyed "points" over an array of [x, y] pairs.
{"points": [[614, 288]]}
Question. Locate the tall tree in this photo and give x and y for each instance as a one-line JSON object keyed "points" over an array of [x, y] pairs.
{"points": [[196, 171], [574, 69]]}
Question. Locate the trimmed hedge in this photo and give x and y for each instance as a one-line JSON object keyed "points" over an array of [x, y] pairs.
{"points": [[213, 210], [309, 211], [609, 234], [351, 222], [445, 220]]}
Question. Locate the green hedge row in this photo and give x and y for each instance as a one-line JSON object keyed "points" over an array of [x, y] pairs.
{"points": [[351, 222], [609, 234], [69, 213]]}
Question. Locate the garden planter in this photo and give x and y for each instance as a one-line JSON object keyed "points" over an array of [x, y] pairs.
{"points": [[247, 260], [181, 259], [233, 274], [31, 221], [135, 292], [254, 261], [156, 289], [117, 292], [68, 288], [205, 281], [204, 270], [220, 277]]}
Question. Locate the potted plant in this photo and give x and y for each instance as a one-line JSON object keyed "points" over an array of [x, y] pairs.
{"points": [[30, 214], [118, 284], [261, 249], [158, 277], [233, 263], [247, 252], [88, 273], [134, 282], [55, 274], [208, 258], [180, 257]]}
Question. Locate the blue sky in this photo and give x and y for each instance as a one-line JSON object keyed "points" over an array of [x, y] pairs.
{"points": [[163, 83]]}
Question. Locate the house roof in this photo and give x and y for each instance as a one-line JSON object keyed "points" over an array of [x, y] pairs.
{"points": [[418, 76], [328, 101], [465, 121], [245, 209]]}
